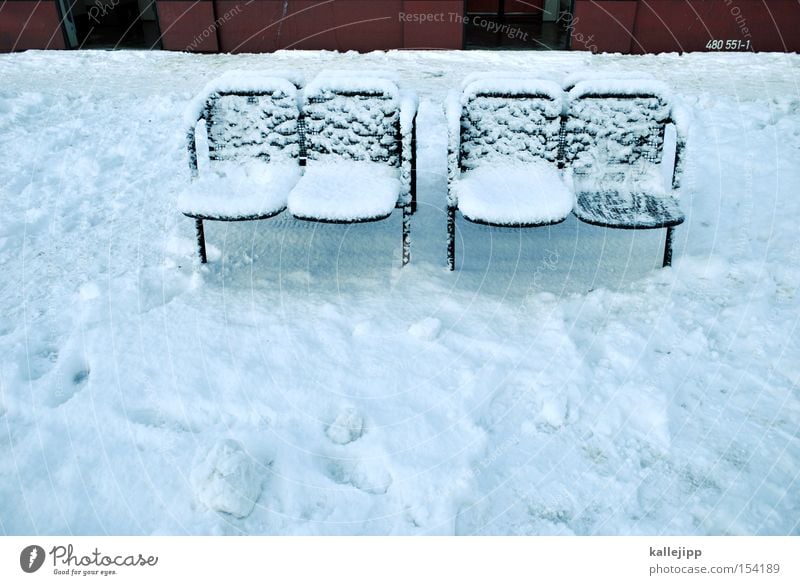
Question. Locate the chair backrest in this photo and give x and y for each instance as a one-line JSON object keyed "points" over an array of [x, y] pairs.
{"points": [[507, 121], [252, 116], [353, 118], [614, 123]]}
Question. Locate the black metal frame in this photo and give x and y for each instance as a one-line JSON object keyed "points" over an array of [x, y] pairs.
{"points": [[451, 209], [511, 225], [562, 163], [191, 146], [408, 209]]}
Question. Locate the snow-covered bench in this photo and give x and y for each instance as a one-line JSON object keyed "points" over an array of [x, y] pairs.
{"points": [[614, 142], [503, 146], [254, 147], [359, 134]]}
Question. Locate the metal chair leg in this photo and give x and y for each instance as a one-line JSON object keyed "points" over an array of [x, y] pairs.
{"points": [[668, 248], [201, 240], [451, 238], [406, 234]]}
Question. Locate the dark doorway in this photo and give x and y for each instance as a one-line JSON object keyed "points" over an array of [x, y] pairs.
{"points": [[110, 24], [517, 24]]}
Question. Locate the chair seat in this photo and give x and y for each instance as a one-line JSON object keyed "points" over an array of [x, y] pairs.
{"points": [[618, 201], [520, 195], [345, 191], [235, 191]]}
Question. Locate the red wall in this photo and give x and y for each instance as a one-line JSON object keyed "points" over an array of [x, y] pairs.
{"points": [[343, 25], [655, 26], [511, 7], [603, 26], [445, 34], [627, 26], [187, 25], [30, 25], [688, 25], [359, 25]]}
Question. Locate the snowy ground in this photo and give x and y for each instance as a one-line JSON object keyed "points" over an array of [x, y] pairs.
{"points": [[558, 382]]}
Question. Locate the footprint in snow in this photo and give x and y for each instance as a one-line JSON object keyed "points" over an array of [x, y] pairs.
{"points": [[73, 376], [426, 330], [370, 478], [35, 363], [159, 286], [227, 479], [364, 329], [346, 428]]}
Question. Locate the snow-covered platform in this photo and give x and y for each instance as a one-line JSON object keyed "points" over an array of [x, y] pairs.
{"points": [[303, 383]]}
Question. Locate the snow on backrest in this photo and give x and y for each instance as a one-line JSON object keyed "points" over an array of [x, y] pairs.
{"points": [[593, 75], [341, 78], [615, 123], [507, 121], [491, 76], [353, 118], [253, 123]]}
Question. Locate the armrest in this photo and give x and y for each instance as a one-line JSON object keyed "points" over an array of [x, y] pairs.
{"points": [[453, 115], [191, 148], [680, 146], [677, 172], [195, 112], [680, 118], [408, 123]]}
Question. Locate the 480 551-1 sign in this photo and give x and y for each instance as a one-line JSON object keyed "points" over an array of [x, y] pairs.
{"points": [[728, 45]]}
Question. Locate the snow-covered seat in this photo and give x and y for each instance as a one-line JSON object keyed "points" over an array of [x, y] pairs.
{"points": [[613, 143], [254, 148], [503, 170], [359, 134], [372, 191], [527, 195]]}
